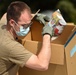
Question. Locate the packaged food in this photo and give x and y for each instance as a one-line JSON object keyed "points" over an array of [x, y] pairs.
{"points": [[57, 22]]}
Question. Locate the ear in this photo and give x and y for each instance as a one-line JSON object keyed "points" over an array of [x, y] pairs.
{"points": [[11, 22]]}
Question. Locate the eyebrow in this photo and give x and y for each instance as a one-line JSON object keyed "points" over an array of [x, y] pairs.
{"points": [[27, 23]]}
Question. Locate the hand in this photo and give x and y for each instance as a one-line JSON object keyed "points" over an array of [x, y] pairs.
{"points": [[56, 29], [47, 29], [42, 18]]}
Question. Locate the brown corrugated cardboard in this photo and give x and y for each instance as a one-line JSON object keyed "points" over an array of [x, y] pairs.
{"points": [[52, 70], [61, 63], [70, 52]]}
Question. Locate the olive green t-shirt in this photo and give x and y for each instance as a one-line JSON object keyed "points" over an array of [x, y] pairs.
{"points": [[12, 53]]}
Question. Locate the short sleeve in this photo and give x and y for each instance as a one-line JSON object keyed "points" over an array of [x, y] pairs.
{"points": [[3, 19], [18, 54]]}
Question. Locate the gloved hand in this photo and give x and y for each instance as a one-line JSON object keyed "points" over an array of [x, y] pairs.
{"points": [[47, 29], [42, 18]]}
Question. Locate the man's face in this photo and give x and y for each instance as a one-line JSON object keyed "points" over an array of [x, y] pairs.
{"points": [[24, 20]]}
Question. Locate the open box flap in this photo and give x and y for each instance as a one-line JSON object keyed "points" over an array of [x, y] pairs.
{"points": [[62, 39], [36, 31], [33, 46], [73, 32], [70, 53]]}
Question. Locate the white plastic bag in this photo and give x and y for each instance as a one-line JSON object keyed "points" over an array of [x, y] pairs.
{"points": [[57, 22]]}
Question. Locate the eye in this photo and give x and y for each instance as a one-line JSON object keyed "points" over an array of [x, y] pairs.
{"points": [[27, 25], [23, 25]]}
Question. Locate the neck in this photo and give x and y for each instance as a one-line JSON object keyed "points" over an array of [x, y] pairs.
{"points": [[12, 32]]}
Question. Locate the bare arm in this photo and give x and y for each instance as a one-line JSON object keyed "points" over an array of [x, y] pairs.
{"points": [[41, 61]]}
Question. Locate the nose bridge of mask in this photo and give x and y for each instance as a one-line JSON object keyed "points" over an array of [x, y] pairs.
{"points": [[21, 28]]}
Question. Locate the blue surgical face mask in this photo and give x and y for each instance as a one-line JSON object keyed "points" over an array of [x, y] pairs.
{"points": [[22, 31]]}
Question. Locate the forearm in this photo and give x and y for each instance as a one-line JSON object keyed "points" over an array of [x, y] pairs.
{"points": [[41, 61], [45, 53]]}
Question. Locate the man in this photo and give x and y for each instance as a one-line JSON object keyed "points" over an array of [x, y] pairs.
{"points": [[12, 54]]}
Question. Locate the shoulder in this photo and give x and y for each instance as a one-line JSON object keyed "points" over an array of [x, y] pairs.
{"points": [[3, 19]]}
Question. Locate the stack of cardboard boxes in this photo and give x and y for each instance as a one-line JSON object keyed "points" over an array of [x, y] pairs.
{"points": [[63, 54]]}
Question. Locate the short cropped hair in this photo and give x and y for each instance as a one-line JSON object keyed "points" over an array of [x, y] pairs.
{"points": [[14, 10]]}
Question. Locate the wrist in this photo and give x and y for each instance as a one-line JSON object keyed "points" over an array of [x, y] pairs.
{"points": [[46, 36], [47, 30]]}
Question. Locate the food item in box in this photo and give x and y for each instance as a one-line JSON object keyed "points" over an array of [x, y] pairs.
{"points": [[57, 22]]}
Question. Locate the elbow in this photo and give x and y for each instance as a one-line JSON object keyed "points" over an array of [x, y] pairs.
{"points": [[44, 67]]}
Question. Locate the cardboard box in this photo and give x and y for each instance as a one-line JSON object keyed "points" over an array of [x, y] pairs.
{"points": [[63, 56], [63, 61]]}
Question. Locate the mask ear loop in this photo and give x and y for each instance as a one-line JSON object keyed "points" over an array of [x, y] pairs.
{"points": [[17, 26]]}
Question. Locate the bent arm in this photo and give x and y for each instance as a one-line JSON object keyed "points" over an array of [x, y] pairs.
{"points": [[41, 61]]}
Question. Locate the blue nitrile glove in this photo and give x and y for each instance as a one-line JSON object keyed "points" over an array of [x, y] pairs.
{"points": [[42, 18], [47, 29]]}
